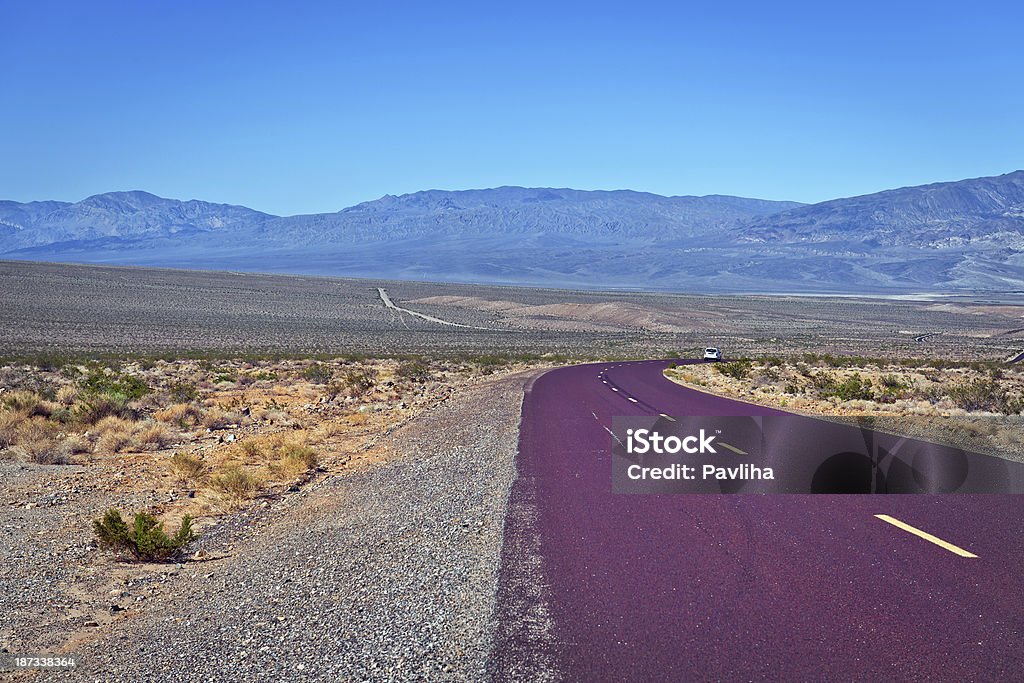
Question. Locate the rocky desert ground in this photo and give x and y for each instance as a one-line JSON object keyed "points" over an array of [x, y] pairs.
{"points": [[230, 444], [62, 309]]}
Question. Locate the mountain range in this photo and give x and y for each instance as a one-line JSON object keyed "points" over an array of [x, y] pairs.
{"points": [[945, 237]]}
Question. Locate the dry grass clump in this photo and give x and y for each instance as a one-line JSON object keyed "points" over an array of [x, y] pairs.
{"points": [[188, 469], [33, 439], [292, 459], [116, 434], [220, 419], [277, 416], [95, 409], [68, 394], [9, 423], [235, 482], [28, 403], [77, 443], [44, 451], [181, 414], [153, 436], [285, 455]]}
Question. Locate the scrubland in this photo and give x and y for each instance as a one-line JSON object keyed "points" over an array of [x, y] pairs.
{"points": [[975, 405]]}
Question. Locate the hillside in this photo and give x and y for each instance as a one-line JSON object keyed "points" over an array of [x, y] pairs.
{"points": [[958, 236]]}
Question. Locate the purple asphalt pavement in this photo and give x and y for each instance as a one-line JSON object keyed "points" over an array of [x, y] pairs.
{"points": [[609, 587]]}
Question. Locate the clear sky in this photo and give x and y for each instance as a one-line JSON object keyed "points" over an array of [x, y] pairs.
{"points": [[309, 107]]}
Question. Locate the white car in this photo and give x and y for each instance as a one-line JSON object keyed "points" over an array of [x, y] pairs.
{"points": [[711, 353]]}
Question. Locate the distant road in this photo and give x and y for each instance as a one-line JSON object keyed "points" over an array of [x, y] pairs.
{"points": [[429, 318], [603, 586]]}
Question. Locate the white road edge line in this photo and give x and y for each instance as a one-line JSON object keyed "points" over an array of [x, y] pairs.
{"points": [[926, 536]]}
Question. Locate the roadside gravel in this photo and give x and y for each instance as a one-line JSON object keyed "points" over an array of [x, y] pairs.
{"points": [[384, 573]]}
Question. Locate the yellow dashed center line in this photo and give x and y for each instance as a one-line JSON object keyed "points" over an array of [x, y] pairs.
{"points": [[926, 536]]}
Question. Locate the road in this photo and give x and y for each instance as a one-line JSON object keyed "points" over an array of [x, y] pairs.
{"points": [[598, 586], [388, 303]]}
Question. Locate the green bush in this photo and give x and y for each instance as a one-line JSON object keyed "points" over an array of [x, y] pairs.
{"points": [[318, 374], [737, 369], [145, 540], [182, 392], [893, 382], [987, 395], [414, 370], [94, 409], [119, 388], [854, 388]]}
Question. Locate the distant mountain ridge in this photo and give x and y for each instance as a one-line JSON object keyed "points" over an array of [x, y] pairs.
{"points": [[130, 215], [955, 236]]}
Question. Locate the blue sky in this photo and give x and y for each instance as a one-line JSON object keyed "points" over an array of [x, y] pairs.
{"points": [[308, 107]]}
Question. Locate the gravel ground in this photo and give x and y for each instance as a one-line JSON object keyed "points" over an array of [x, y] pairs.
{"points": [[47, 580], [387, 573]]}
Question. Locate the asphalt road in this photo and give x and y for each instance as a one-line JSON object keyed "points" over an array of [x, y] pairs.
{"points": [[600, 586]]}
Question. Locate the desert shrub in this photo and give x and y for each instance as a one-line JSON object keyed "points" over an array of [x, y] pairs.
{"points": [[113, 423], [853, 388], [181, 414], [823, 381], [50, 362], [182, 392], [67, 395], [114, 442], [10, 420], [292, 460], [355, 382], [224, 378], [892, 382], [236, 482], [77, 443], [986, 395], [154, 436], [413, 370], [115, 434], [278, 416], [43, 450], [145, 540], [673, 366], [318, 373], [121, 388], [264, 376], [34, 428], [95, 408], [489, 363], [219, 419], [737, 369], [188, 468], [27, 402]]}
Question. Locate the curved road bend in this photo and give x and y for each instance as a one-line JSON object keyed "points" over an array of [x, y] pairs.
{"points": [[739, 587]]}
